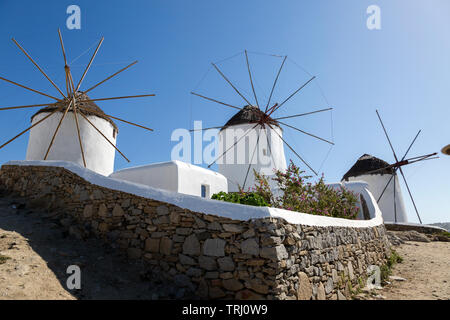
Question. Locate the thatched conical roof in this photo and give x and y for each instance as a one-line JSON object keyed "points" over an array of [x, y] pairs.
{"points": [[249, 114], [90, 108], [367, 163]]}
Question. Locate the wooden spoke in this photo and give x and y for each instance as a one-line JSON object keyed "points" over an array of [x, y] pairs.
{"points": [[76, 117], [25, 87], [385, 187], [28, 106], [251, 80], [203, 129], [86, 118], [216, 101], [89, 65], [292, 149], [395, 205], [109, 116], [410, 195], [307, 133], [116, 98], [251, 160], [414, 140], [303, 114], [229, 82], [62, 47], [387, 137], [293, 94], [26, 130], [245, 134], [57, 129], [111, 76], [275, 83], [37, 66]]}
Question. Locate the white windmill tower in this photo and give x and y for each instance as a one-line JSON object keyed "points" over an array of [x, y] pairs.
{"points": [[383, 181], [98, 154], [262, 150], [72, 127], [253, 139]]}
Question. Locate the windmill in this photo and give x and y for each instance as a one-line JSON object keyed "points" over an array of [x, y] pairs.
{"points": [[258, 119], [376, 172], [77, 102]]}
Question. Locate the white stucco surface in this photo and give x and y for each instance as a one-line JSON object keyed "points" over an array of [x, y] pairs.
{"points": [[269, 156], [376, 184], [208, 206], [176, 176], [99, 154]]}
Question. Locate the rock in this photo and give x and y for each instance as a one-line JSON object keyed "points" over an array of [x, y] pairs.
{"points": [[321, 292], [249, 233], [194, 272], [270, 241], [87, 212], [117, 211], [350, 271], [152, 245], [329, 285], [207, 263], [216, 293], [162, 210], [134, 253], [226, 264], [234, 228], [186, 260], [191, 246], [250, 246], [214, 247], [102, 210], [248, 295], [340, 296], [304, 291], [232, 284], [274, 253], [395, 278], [165, 246], [184, 231]]}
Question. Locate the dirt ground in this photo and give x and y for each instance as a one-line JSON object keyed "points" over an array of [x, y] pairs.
{"points": [[36, 253], [426, 268]]}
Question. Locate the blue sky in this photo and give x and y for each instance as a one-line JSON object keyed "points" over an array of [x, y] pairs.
{"points": [[403, 70]]}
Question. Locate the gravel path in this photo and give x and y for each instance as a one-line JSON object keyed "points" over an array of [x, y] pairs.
{"points": [[38, 253], [426, 268]]}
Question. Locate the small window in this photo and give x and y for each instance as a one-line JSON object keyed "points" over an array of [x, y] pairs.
{"points": [[265, 152], [204, 191]]}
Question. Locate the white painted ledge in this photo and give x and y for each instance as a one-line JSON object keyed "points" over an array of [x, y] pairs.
{"points": [[207, 206]]}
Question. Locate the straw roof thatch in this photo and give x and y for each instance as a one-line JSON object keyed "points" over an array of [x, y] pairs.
{"points": [[249, 114], [90, 108], [367, 163]]}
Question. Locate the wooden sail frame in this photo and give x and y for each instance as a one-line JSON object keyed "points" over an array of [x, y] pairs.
{"points": [[70, 101]]}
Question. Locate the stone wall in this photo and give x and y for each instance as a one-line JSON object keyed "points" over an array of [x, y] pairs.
{"points": [[212, 256]]}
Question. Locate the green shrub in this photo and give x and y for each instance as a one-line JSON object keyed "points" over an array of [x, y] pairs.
{"points": [[297, 194], [3, 259], [248, 198]]}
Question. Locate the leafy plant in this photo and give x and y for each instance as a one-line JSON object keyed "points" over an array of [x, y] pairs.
{"points": [[3, 259], [248, 198], [297, 194]]}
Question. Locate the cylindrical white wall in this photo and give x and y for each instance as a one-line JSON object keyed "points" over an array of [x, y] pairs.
{"points": [[376, 184], [234, 165], [99, 154]]}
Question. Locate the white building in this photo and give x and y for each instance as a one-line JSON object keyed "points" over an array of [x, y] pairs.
{"points": [[262, 148], [99, 154], [377, 181], [176, 176]]}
